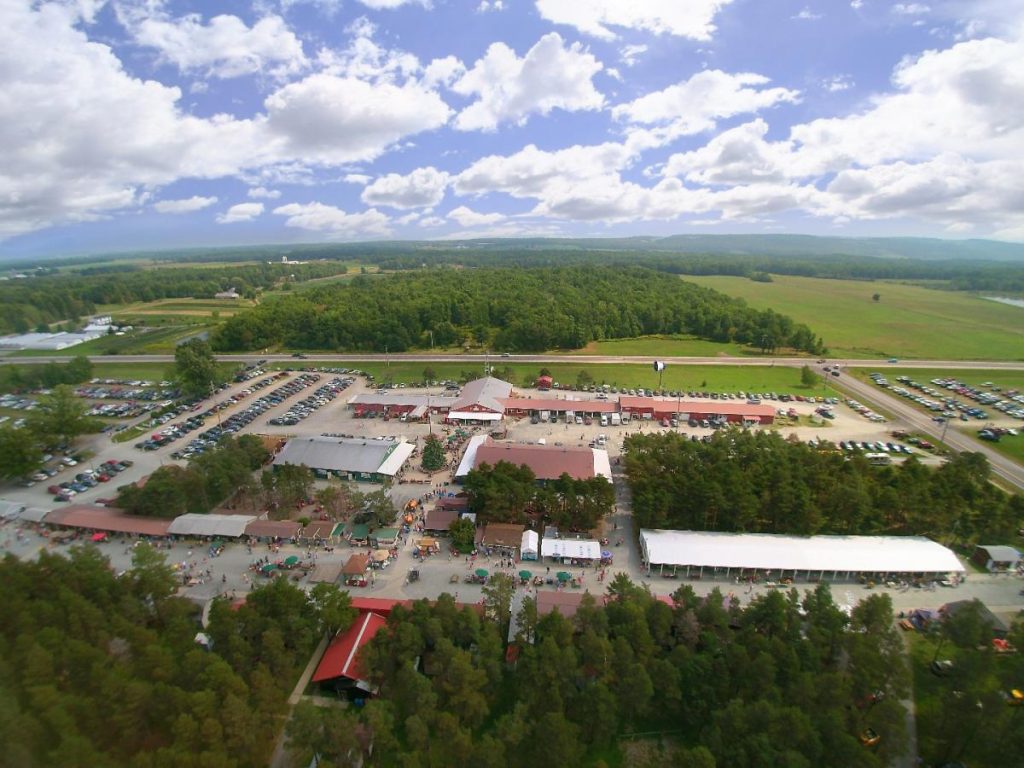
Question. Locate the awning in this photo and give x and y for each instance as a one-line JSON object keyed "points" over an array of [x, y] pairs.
{"points": [[381, 555], [473, 416]]}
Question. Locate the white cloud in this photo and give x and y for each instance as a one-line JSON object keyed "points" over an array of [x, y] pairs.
{"points": [[856, 4], [388, 5], [694, 105], [910, 9], [409, 218], [240, 212], [806, 14], [431, 222], [493, 5], [263, 193], [837, 83], [469, 218], [319, 217], [693, 19], [628, 54], [737, 156], [422, 188], [443, 71], [331, 119], [225, 47], [365, 59], [356, 178], [510, 89], [187, 205], [531, 172]]}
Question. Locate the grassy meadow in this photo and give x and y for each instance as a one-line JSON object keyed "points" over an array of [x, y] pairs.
{"points": [[907, 320], [687, 377]]}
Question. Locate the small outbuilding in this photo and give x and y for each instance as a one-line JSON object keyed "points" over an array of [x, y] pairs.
{"points": [[996, 557]]}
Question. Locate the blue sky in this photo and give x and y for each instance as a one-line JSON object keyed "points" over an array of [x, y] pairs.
{"points": [[153, 124]]}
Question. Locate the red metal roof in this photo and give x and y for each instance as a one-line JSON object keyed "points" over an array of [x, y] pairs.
{"points": [[341, 659], [439, 519], [106, 519], [670, 405], [548, 462]]}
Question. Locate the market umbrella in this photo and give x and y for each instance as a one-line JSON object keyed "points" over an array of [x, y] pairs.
{"points": [[606, 554], [99, 537], [291, 560], [269, 567], [525, 574], [481, 572], [562, 576]]}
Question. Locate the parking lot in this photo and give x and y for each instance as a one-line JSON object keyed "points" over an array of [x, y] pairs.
{"points": [[270, 401]]}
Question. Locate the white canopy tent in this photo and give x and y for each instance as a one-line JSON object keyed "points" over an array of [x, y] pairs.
{"points": [[575, 548], [228, 526], [824, 554], [473, 416], [529, 548], [469, 457]]}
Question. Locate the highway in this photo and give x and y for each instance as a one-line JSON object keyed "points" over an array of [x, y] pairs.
{"points": [[427, 357]]}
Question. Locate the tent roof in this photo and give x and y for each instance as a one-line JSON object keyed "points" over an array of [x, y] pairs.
{"points": [[507, 534], [892, 554], [581, 548], [394, 460], [999, 553], [339, 454], [341, 659], [530, 540], [229, 526], [356, 565]]}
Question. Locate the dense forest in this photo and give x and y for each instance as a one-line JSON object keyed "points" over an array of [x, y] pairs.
{"points": [[514, 310], [101, 670], [759, 482], [34, 301], [702, 682]]}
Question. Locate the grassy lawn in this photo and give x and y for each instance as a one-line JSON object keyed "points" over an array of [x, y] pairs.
{"points": [[704, 377], [664, 346], [907, 321]]}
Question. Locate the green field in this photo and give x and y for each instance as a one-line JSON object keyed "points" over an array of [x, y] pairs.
{"points": [[907, 321], [665, 346], [703, 377]]}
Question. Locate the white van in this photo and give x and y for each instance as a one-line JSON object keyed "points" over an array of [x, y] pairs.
{"points": [[604, 419]]}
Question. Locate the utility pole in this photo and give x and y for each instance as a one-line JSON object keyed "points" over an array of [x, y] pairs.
{"points": [[387, 358], [431, 339]]}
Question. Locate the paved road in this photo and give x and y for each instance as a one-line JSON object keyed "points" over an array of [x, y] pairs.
{"points": [[553, 358], [1005, 468]]}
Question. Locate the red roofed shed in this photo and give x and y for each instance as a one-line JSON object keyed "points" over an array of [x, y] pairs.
{"points": [[341, 659]]}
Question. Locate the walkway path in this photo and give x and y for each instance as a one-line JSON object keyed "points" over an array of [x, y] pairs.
{"points": [[280, 756]]}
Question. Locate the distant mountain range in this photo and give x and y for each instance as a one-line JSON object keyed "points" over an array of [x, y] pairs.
{"points": [[792, 246]]}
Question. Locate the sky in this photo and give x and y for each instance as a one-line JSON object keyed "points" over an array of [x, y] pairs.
{"points": [[148, 124]]}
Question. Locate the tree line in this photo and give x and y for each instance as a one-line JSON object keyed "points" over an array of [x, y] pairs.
{"points": [[209, 479], [36, 302], [506, 309], [759, 482], [506, 493], [22, 378], [98, 669], [787, 682]]}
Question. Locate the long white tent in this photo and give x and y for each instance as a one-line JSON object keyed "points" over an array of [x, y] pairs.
{"points": [[829, 554], [579, 549], [228, 526]]}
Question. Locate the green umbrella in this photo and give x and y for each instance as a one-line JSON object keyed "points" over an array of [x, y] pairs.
{"points": [[292, 560], [482, 573], [269, 567], [525, 574], [562, 576]]}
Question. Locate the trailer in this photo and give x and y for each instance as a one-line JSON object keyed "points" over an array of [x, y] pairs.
{"points": [[616, 419], [544, 416]]}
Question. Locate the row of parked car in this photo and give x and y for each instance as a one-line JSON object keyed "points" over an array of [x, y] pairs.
{"points": [[309, 405], [946, 407], [243, 418], [97, 392], [864, 411], [88, 478], [875, 447]]}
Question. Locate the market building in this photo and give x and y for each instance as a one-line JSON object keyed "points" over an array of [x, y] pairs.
{"points": [[360, 459], [811, 557], [547, 462], [480, 402]]}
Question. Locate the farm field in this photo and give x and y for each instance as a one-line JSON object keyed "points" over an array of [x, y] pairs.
{"points": [[907, 321], [705, 377], [188, 307]]}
